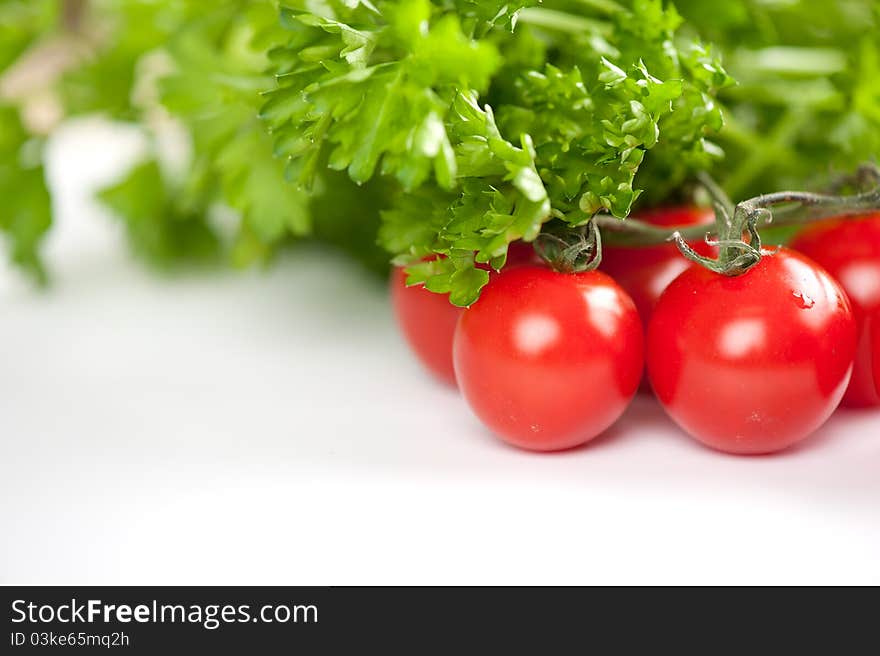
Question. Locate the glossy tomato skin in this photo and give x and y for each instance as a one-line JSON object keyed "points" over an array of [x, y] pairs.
{"points": [[753, 363], [849, 249], [427, 320], [546, 360], [644, 272]]}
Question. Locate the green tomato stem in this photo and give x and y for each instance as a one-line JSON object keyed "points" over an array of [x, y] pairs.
{"points": [[571, 251], [736, 254]]}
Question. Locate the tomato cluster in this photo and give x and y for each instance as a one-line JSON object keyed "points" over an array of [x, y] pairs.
{"points": [[745, 364]]}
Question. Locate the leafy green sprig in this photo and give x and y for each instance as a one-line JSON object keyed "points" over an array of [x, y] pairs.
{"points": [[219, 68], [26, 214], [396, 89]]}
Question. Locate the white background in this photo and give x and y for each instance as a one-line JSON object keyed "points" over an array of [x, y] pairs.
{"points": [[270, 427]]}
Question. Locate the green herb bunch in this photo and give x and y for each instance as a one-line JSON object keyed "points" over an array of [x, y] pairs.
{"points": [[430, 133], [491, 119]]}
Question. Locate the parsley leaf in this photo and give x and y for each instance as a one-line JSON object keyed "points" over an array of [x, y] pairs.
{"points": [[26, 213], [215, 89], [159, 228]]}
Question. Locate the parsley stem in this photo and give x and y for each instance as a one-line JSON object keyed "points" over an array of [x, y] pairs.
{"points": [[563, 22], [607, 7]]}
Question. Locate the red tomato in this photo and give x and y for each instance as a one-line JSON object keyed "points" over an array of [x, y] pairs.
{"points": [[549, 360], [850, 250], [428, 320], [752, 363], [644, 272]]}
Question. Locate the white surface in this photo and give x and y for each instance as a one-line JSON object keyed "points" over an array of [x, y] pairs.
{"points": [[270, 427]]}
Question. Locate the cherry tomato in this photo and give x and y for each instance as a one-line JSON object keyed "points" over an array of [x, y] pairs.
{"points": [[549, 360], [427, 320], [850, 250], [752, 363], [644, 272]]}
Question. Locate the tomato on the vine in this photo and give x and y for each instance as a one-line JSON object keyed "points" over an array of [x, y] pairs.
{"points": [[549, 360], [645, 271], [850, 250], [427, 320], [752, 363]]}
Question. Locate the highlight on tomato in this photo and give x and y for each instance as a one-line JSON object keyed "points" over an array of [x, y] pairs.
{"points": [[427, 320], [549, 360], [849, 248], [752, 363]]}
